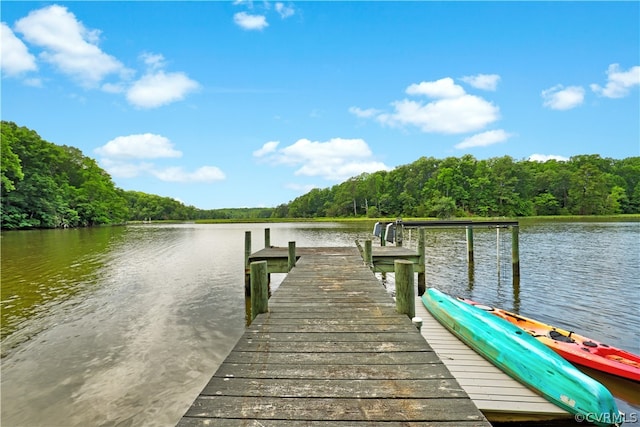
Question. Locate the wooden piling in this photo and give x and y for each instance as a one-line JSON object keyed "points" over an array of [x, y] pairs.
{"points": [[422, 275], [267, 237], [515, 253], [469, 244], [292, 255], [259, 292], [368, 253], [405, 294], [399, 230], [247, 254]]}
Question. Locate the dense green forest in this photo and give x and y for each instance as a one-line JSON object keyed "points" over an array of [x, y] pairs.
{"points": [[464, 186], [45, 185]]}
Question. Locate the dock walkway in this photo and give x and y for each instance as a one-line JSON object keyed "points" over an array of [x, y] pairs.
{"points": [[332, 351]]}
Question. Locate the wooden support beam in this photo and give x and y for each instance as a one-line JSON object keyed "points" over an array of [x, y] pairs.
{"points": [[292, 255], [259, 289], [405, 294]]}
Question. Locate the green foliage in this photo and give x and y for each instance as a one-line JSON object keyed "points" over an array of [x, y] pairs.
{"points": [[465, 186], [50, 186]]}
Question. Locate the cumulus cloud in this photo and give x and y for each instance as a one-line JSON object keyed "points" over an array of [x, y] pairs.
{"points": [[451, 110], [484, 139], [68, 45], [178, 174], [15, 55], [563, 98], [250, 22], [72, 49], [139, 146], [544, 157], [483, 81], [466, 113], [268, 147], [159, 88], [124, 157], [443, 88], [284, 11], [365, 114], [619, 82], [335, 160]]}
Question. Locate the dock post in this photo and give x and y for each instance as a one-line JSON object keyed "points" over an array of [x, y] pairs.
{"points": [[259, 294], [267, 244], [405, 294], [383, 237], [422, 276], [399, 230], [292, 255], [470, 244], [515, 253], [247, 254], [368, 253]]}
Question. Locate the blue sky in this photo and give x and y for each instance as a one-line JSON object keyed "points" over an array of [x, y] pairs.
{"points": [[246, 104]]}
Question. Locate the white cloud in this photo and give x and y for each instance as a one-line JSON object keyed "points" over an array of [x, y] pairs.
{"points": [[484, 139], [268, 147], [619, 83], [139, 146], [118, 157], [160, 88], [15, 55], [443, 88], [73, 50], [336, 159], [561, 98], [178, 174], [365, 114], [250, 22], [284, 11], [466, 113], [68, 45], [154, 61], [544, 157], [453, 110], [123, 169], [483, 81]]}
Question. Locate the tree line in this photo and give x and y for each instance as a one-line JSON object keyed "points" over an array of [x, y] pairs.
{"points": [[495, 187], [44, 185]]}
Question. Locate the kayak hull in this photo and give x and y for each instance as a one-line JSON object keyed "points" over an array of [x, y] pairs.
{"points": [[573, 347], [523, 357]]}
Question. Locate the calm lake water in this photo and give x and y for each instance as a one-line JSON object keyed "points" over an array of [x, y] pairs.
{"points": [[124, 326]]}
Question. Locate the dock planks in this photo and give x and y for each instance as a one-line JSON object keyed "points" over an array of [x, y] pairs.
{"points": [[332, 351]]}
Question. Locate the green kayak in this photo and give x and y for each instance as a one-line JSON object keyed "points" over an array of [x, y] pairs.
{"points": [[524, 358]]}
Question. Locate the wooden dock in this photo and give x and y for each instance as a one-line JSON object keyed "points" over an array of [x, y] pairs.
{"points": [[332, 351]]}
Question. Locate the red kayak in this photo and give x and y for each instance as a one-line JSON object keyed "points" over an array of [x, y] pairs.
{"points": [[573, 347]]}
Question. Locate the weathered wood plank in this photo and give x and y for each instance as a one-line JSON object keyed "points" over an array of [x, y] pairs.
{"points": [[330, 347], [334, 388], [353, 371], [279, 408], [372, 358]]}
